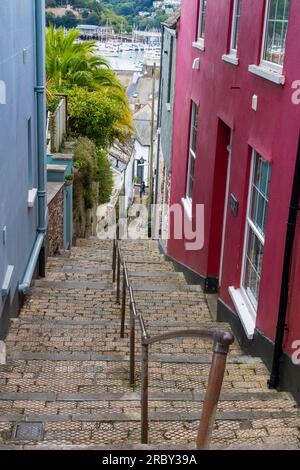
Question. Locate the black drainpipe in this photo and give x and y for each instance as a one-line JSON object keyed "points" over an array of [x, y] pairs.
{"points": [[284, 294]]}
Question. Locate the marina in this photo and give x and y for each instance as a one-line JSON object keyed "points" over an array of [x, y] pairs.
{"points": [[129, 57]]}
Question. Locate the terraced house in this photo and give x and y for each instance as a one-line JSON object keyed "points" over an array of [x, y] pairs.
{"points": [[236, 150]]}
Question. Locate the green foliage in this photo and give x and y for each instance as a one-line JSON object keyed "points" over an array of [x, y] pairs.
{"points": [[98, 109], [70, 64], [85, 160], [122, 14], [95, 172], [105, 177], [94, 115], [52, 103]]}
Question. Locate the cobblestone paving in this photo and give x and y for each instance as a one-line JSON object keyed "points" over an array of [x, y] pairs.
{"points": [[68, 370]]}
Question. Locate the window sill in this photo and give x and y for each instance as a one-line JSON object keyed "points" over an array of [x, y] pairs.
{"points": [[231, 59], [199, 45], [32, 194], [267, 73], [7, 281], [244, 310], [168, 107], [187, 205]]}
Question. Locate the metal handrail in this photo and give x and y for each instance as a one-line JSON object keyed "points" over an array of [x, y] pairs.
{"points": [[222, 342]]}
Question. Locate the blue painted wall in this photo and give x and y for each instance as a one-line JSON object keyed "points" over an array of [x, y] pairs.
{"points": [[17, 71]]}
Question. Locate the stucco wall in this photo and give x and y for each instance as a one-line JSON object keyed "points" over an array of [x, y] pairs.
{"points": [[17, 71]]}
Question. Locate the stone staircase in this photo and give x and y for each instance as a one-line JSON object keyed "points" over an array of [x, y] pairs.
{"points": [[66, 381]]}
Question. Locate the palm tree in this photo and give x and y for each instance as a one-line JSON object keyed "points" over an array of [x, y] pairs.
{"points": [[71, 63]]}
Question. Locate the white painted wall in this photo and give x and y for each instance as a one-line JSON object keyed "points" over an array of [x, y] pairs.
{"points": [[142, 152], [129, 182]]}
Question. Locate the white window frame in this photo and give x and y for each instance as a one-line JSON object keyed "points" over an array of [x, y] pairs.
{"points": [[233, 51], [192, 153], [200, 31], [265, 63], [252, 302]]}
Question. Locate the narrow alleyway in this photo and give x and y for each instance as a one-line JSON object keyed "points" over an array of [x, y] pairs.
{"points": [[67, 369]]}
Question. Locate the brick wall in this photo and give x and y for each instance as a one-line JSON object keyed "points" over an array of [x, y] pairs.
{"points": [[55, 234]]}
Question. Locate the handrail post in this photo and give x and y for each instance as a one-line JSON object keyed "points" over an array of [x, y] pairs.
{"points": [[118, 275], [132, 347], [212, 395], [114, 259], [123, 309], [144, 393]]}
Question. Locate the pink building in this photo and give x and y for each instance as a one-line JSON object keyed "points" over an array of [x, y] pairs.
{"points": [[235, 147]]}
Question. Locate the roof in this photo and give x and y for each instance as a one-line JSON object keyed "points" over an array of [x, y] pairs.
{"points": [[88, 26], [172, 21], [122, 153], [142, 124]]}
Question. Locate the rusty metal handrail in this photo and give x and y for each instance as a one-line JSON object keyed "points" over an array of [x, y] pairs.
{"points": [[222, 342]]}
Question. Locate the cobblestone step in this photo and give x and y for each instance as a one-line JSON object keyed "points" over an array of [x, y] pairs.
{"points": [[68, 368], [90, 374], [66, 336], [107, 415], [226, 434], [66, 273], [94, 243]]}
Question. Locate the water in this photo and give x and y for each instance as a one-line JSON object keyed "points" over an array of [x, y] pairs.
{"points": [[127, 61]]}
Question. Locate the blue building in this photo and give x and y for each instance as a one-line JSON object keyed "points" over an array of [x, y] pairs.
{"points": [[22, 152]]}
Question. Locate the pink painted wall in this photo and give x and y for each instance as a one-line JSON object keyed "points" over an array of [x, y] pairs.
{"points": [[225, 91]]}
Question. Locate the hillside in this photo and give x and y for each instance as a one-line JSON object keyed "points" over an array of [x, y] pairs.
{"points": [[121, 14]]}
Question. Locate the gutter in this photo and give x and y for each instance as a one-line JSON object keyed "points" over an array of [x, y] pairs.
{"points": [[38, 250], [281, 328]]}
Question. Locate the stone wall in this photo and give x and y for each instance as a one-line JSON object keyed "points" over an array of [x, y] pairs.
{"points": [[56, 223]]}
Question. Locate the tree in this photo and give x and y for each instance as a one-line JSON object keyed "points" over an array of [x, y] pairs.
{"points": [[50, 18], [94, 167], [70, 64], [92, 18], [94, 115], [105, 177], [69, 20]]}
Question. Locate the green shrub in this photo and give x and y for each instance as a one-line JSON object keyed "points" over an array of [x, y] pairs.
{"points": [[52, 103], [94, 115], [95, 172], [105, 177]]}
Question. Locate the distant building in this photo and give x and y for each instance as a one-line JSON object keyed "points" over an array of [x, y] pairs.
{"points": [[165, 124], [121, 157], [88, 29], [166, 5], [23, 216], [142, 121]]}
